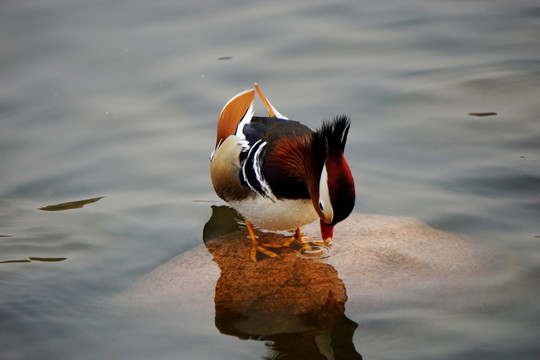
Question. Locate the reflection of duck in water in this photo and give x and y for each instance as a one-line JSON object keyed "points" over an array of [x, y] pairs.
{"points": [[295, 305], [280, 174]]}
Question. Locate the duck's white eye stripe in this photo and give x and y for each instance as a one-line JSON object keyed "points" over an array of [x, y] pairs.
{"points": [[324, 196]]}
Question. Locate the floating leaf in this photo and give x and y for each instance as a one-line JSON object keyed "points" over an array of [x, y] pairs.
{"points": [[34, 258], [70, 205], [15, 261], [483, 114], [224, 58], [47, 259]]}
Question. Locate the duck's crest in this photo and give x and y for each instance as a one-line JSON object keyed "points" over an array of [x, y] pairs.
{"points": [[334, 133]]}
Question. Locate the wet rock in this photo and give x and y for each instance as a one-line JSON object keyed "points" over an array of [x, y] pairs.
{"points": [[375, 261], [300, 307]]}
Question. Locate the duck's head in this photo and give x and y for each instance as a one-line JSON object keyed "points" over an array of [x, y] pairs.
{"points": [[334, 198]]}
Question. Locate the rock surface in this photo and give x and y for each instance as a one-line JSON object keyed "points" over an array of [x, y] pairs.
{"points": [[374, 261], [297, 306]]}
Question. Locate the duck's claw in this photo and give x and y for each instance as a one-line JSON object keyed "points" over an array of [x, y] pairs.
{"points": [[262, 248], [298, 236], [256, 246]]}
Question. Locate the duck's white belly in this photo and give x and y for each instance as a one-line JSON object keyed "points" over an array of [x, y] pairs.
{"points": [[279, 215]]}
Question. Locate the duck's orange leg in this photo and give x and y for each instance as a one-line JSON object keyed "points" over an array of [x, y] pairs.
{"points": [[299, 237], [256, 246]]}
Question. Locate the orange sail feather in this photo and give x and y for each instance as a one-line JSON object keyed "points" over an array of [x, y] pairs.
{"points": [[232, 114]]}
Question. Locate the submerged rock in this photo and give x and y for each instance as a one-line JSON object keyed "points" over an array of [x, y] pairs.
{"points": [[375, 261], [298, 305]]}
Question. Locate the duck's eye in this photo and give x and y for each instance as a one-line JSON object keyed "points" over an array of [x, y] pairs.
{"points": [[321, 206]]}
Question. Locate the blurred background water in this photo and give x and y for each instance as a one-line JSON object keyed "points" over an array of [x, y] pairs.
{"points": [[119, 99]]}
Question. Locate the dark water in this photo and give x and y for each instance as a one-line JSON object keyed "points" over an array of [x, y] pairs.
{"points": [[120, 100]]}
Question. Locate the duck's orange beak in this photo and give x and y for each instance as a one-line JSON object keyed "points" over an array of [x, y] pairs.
{"points": [[327, 231]]}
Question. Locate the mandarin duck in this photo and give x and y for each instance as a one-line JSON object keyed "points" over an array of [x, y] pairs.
{"points": [[279, 174]]}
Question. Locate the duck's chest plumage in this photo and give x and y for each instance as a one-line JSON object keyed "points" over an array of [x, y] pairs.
{"points": [[280, 214]]}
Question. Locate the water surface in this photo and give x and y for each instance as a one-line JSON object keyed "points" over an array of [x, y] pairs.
{"points": [[119, 101]]}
